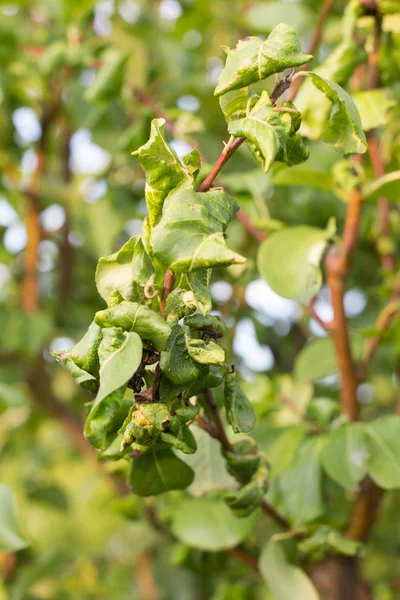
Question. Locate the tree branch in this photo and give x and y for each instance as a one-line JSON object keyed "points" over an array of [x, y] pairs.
{"points": [[220, 435]]}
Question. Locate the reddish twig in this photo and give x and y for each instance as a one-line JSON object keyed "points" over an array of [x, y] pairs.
{"points": [[168, 285], [326, 325], [315, 42]]}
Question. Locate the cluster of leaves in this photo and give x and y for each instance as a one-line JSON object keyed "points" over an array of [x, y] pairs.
{"points": [[148, 356]]}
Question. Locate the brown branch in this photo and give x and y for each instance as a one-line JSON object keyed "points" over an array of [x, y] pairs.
{"points": [[30, 287], [383, 323], [244, 557], [145, 578], [65, 248], [257, 234], [365, 511], [149, 101], [340, 333], [315, 42], [327, 326], [220, 435]]}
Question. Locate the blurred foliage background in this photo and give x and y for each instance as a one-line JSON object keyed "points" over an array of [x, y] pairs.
{"points": [[80, 83]]}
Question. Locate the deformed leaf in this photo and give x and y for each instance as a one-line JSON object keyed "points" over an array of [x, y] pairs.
{"points": [[234, 104], [289, 260], [157, 471], [82, 361], [208, 524], [239, 412], [383, 439], [131, 316], [273, 134], [254, 59], [11, 538], [285, 581], [190, 234], [176, 362], [164, 170], [345, 454], [114, 272], [120, 355], [199, 282], [343, 129]]}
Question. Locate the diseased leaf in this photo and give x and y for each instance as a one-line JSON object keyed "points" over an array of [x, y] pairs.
{"points": [[285, 581], [239, 412], [82, 361], [254, 59], [273, 134], [234, 104], [383, 439], [199, 282], [345, 454], [208, 524], [289, 260], [343, 129], [164, 170], [200, 220], [131, 316], [120, 355], [142, 269], [176, 362], [114, 272], [11, 538], [157, 471]]}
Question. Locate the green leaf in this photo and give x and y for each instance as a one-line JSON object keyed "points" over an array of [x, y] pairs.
{"points": [[11, 538], [208, 524], [388, 186], [239, 412], [199, 282], [289, 260], [234, 104], [157, 471], [343, 129], [274, 134], [82, 361], [131, 316], [176, 362], [123, 271], [318, 358], [280, 445], [164, 170], [345, 454], [208, 465], [321, 180], [373, 105], [285, 581], [301, 485], [200, 219], [109, 78], [120, 355], [327, 540], [383, 439], [202, 351], [254, 59]]}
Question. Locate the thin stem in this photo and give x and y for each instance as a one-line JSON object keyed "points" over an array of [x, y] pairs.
{"points": [[235, 143], [315, 42], [220, 434], [257, 234], [66, 257], [168, 285], [327, 326], [383, 323]]}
